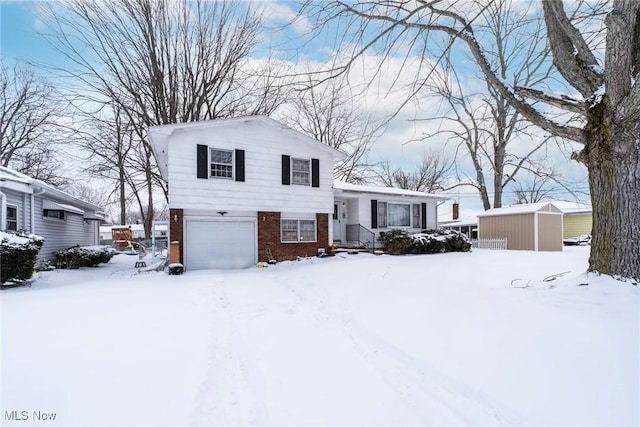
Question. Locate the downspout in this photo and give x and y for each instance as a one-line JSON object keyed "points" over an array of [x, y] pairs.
{"points": [[3, 208], [35, 193]]}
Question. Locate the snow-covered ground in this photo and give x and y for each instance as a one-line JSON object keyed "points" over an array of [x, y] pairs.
{"points": [[451, 339]]}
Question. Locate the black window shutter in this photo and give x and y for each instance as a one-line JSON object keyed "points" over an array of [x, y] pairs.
{"points": [[315, 173], [423, 211], [240, 165], [286, 170], [374, 214], [202, 159]]}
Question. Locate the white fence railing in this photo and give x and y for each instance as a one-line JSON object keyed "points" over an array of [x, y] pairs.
{"points": [[489, 243]]}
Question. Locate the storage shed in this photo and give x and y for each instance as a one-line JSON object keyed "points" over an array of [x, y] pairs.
{"points": [[532, 227]]}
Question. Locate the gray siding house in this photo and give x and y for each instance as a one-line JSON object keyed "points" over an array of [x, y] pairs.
{"points": [[39, 208]]}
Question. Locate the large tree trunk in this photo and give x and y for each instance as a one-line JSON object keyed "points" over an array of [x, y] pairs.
{"points": [[612, 156]]}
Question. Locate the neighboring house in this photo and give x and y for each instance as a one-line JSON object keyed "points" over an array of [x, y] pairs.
{"points": [[577, 219], [39, 208], [534, 227], [361, 212], [251, 189], [467, 226]]}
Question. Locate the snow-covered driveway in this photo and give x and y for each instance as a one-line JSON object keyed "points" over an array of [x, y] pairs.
{"points": [[352, 340]]}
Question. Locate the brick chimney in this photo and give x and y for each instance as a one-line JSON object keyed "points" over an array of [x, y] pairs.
{"points": [[456, 210]]}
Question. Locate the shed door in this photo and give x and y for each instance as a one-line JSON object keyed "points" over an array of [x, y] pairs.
{"points": [[220, 244]]}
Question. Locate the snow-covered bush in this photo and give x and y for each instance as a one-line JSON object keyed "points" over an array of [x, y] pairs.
{"points": [[77, 257], [400, 242], [18, 254]]}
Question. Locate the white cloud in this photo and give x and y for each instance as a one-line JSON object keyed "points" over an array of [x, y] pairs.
{"points": [[280, 13]]}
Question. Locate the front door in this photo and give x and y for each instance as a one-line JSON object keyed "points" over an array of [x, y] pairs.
{"points": [[340, 221]]}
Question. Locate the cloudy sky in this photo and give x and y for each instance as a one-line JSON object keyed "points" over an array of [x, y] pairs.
{"points": [[287, 39]]}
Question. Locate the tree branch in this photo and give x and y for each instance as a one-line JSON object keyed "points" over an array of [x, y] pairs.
{"points": [[564, 102], [571, 55]]}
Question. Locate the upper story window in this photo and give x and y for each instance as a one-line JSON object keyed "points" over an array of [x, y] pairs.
{"points": [[221, 163], [12, 218], [300, 171]]}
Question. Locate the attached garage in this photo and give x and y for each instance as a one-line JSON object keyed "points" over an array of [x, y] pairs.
{"points": [[533, 227], [219, 244]]}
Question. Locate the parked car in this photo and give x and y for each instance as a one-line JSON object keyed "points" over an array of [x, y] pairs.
{"points": [[583, 239]]}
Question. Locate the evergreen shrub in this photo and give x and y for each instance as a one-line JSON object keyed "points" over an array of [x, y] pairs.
{"points": [[77, 257], [400, 242], [18, 255]]}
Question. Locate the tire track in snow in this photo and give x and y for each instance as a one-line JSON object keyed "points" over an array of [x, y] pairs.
{"points": [[228, 393], [430, 394]]}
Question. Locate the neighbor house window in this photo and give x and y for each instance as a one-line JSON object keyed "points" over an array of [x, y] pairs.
{"points": [[50, 213], [399, 215], [417, 223], [221, 163], [300, 171], [12, 218], [298, 230]]}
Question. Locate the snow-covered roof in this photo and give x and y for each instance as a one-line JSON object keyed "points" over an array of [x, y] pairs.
{"points": [[520, 209], [459, 222], [28, 184], [355, 188], [572, 207], [7, 174]]}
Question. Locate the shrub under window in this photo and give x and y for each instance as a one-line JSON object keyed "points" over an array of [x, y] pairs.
{"points": [[399, 242]]}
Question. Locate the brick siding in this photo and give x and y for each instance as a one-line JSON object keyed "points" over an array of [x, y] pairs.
{"points": [[269, 238], [176, 233]]}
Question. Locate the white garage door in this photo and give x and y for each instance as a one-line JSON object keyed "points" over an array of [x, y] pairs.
{"points": [[220, 244]]}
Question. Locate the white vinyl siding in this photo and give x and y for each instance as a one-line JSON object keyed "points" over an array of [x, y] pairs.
{"points": [[300, 172], [60, 235], [262, 190], [298, 230], [221, 163]]}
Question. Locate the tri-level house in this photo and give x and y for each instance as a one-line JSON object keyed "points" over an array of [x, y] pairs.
{"points": [[251, 189]]}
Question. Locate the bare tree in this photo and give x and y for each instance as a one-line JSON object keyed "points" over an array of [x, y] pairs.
{"points": [[90, 192], [429, 176], [29, 125], [487, 130], [328, 112], [160, 62], [108, 144], [535, 190], [606, 98]]}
